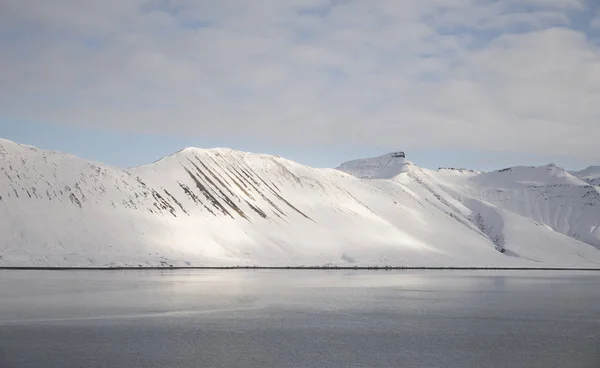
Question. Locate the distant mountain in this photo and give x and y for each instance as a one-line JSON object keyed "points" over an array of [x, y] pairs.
{"points": [[220, 207], [590, 175]]}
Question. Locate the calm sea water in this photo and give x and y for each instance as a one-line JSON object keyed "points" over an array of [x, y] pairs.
{"points": [[255, 318]]}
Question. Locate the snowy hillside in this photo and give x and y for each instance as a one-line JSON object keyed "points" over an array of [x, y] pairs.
{"points": [[547, 195], [220, 207]]}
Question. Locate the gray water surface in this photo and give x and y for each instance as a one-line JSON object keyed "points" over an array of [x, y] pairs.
{"points": [[302, 318]]}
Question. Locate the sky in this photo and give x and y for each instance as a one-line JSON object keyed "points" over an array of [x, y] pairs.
{"points": [[454, 83]]}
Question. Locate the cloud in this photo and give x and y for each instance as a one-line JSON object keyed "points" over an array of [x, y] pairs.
{"points": [[471, 74]]}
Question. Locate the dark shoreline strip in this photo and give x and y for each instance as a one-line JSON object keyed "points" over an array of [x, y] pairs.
{"points": [[299, 268]]}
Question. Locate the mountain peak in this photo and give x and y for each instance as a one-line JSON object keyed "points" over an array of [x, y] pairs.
{"points": [[381, 167], [190, 152], [221, 207]]}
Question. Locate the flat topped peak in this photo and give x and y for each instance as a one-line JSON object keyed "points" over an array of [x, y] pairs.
{"points": [[391, 155], [553, 166], [381, 167], [398, 154]]}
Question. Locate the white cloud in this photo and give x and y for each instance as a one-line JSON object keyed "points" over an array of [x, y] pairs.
{"points": [[469, 74]]}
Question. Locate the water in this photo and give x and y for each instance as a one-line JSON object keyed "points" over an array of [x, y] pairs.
{"points": [[246, 318]]}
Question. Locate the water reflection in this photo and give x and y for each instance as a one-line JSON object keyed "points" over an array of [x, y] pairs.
{"points": [[299, 318]]}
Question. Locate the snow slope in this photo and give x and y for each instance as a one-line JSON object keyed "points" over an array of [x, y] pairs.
{"points": [[220, 207], [547, 195]]}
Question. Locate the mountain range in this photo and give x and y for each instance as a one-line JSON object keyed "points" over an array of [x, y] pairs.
{"points": [[221, 208]]}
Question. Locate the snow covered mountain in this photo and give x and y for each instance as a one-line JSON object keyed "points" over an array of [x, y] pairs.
{"points": [[382, 167], [590, 175], [546, 195], [220, 207]]}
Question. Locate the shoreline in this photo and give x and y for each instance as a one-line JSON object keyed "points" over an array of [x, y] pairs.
{"points": [[331, 268]]}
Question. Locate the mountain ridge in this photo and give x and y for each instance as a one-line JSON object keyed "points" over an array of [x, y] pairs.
{"points": [[221, 207]]}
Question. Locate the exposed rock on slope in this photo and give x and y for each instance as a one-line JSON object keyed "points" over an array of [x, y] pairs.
{"points": [[221, 207], [382, 167]]}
